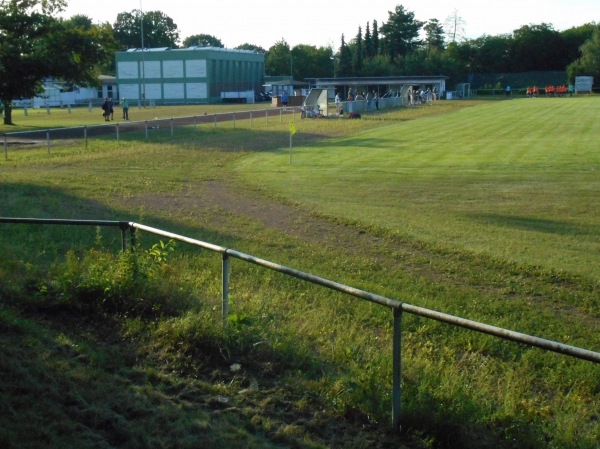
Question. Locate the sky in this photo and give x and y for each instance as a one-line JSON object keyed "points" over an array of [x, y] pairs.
{"points": [[322, 23]]}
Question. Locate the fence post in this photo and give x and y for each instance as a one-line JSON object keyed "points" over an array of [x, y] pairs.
{"points": [[85, 136], [171, 127], [234, 120], [146, 128], [117, 132], [5, 148], [225, 291], [215, 120], [396, 368], [250, 119], [48, 139]]}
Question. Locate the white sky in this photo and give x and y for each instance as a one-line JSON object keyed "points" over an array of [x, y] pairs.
{"points": [[322, 23]]}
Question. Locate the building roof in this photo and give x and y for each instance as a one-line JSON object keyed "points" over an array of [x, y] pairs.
{"points": [[377, 80]]}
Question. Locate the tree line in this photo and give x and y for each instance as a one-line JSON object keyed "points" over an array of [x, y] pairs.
{"points": [[36, 44]]}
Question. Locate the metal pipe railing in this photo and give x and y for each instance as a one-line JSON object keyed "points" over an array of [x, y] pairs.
{"points": [[397, 307]]}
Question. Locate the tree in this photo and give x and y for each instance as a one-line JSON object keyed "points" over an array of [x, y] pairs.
{"points": [[434, 35], [159, 30], [376, 43], [35, 46], [589, 62], [251, 47], [454, 26], [311, 61], [401, 32], [202, 40], [344, 66], [369, 49], [357, 53], [538, 47], [491, 54], [279, 59], [575, 37]]}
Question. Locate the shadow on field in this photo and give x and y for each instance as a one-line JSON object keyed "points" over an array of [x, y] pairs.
{"points": [[264, 405], [537, 224]]}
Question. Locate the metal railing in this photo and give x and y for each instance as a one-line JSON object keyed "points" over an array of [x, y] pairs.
{"points": [[396, 306]]}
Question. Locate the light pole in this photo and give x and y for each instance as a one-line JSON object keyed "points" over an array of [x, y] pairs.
{"points": [[143, 62]]}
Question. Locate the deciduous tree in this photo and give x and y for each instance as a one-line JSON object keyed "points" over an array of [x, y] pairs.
{"points": [[35, 46], [159, 30], [202, 40]]}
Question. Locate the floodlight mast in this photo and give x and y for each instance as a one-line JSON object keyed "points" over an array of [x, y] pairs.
{"points": [[143, 62]]}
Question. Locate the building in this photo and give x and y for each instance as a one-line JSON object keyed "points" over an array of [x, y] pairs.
{"points": [[60, 94], [194, 75], [384, 85]]}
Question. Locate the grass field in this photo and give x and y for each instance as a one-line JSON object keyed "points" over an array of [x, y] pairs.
{"points": [[485, 210]]}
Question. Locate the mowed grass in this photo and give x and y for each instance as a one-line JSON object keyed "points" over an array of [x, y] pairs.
{"points": [[516, 180], [446, 195]]}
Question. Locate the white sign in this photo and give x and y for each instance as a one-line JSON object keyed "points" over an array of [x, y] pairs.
{"points": [[584, 83]]}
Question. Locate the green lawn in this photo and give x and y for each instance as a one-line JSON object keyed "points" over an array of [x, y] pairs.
{"points": [[515, 180], [482, 209]]}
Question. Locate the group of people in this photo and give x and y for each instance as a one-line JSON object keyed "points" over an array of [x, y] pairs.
{"points": [[551, 91], [108, 109], [420, 96], [372, 98]]}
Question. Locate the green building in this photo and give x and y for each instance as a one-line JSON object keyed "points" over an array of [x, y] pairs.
{"points": [[194, 75]]}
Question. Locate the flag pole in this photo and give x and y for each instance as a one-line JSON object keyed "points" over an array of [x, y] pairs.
{"points": [[292, 132]]}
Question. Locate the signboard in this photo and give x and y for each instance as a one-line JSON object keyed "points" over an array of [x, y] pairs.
{"points": [[584, 83]]}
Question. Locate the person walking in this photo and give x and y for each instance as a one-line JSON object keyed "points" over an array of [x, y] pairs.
{"points": [[111, 109], [125, 106], [105, 110]]}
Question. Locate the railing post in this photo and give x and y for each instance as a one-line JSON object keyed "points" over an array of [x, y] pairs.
{"points": [[5, 147], [117, 132], [225, 291], [397, 368], [146, 128], [85, 138], [171, 127], [132, 236], [215, 120]]}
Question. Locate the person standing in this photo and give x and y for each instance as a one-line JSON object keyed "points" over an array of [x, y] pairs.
{"points": [[507, 90], [105, 110], [125, 106], [284, 99], [111, 109]]}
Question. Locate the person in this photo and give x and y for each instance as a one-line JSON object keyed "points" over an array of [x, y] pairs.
{"points": [[507, 90], [571, 89], [350, 100], [125, 106], [376, 95], [105, 110], [111, 109], [284, 99]]}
